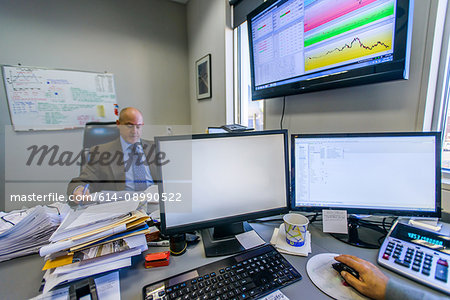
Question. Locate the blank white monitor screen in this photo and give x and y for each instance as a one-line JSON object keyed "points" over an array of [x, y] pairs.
{"points": [[223, 177], [389, 173]]}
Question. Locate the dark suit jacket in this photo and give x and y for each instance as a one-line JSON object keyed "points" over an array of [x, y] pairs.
{"points": [[105, 171]]}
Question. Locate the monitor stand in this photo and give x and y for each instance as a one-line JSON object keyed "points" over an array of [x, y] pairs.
{"points": [[362, 235], [221, 240]]}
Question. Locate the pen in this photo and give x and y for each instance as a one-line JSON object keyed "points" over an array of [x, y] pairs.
{"points": [[85, 188], [160, 243]]}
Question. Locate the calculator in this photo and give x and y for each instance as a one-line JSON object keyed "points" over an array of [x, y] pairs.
{"points": [[418, 254]]}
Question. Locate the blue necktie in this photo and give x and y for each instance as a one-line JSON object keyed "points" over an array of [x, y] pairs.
{"points": [[140, 180]]}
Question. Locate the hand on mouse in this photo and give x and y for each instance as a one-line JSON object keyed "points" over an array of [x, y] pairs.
{"points": [[372, 282], [339, 267]]}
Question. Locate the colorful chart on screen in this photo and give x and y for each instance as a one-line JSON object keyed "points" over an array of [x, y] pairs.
{"points": [[346, 31], [298, 38]]}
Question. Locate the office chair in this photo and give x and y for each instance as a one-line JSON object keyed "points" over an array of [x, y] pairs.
{"points": [[96, 133]]}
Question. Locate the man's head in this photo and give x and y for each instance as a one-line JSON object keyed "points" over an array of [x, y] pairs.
{"points": [[130, 124]]}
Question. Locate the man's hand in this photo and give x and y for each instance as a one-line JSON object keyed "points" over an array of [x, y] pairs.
{"points": [[79, 197], [372, 282]]}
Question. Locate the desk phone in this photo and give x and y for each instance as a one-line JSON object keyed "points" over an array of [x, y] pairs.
{"points": [[421, 255]]}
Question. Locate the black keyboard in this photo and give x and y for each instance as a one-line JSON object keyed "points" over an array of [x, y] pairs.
{"points": [[248, 275]]}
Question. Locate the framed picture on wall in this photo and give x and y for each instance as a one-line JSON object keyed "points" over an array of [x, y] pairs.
{"points": [[203, 75]]}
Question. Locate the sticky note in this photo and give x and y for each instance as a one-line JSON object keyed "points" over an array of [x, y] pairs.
{"points": [[101, 111], [335, 221], [249, 239]]}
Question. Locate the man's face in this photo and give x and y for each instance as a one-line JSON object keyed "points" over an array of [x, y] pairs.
{"points": [[130, 126]]}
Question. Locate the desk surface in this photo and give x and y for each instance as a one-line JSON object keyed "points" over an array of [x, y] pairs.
{"points": [[27, 270]]}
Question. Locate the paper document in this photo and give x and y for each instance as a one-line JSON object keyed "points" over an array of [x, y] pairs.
{"points": [[129, 221], [249, 239], [104, 211], [52, 280], [137, 241], [335, 221], [108, 287], [61, 233], [277, 295], [96, 262], [59, 294], [64, 245], [141, 230]]}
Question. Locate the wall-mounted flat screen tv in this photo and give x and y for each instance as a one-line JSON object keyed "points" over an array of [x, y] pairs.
{"points": [[300, 46]]}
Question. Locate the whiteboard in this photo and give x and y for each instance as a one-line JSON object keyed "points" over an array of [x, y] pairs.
{"points": [[46, 99]]}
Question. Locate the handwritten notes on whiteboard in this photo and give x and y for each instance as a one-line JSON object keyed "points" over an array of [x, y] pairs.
{"points": [[44, 99]]}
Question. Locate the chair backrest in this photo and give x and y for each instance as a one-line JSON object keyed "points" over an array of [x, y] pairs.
{"points": [[96, 133]]}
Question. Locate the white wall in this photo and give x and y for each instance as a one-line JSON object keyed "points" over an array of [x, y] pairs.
{"points": [[143, 42], [206, 23]]}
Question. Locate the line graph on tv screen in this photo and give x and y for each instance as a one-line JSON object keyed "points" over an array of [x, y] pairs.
{"points": [[364, 32], [350, 48]]}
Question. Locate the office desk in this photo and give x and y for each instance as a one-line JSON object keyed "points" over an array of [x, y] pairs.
{"points": [[20, 278]]}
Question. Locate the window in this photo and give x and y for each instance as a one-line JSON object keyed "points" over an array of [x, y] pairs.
{"points": [[445, 126], [441, 110], [249, 113]]}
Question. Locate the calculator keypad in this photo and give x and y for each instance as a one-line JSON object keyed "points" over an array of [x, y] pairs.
{"points": [[417, 262]]}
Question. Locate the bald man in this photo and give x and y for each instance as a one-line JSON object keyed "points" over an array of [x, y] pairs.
{"points": [[123, 164]]}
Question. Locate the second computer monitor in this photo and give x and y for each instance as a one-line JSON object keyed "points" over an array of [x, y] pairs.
{"points": [[386, 173]]}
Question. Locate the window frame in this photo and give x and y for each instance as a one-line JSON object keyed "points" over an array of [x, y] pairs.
{"points": [[239, 112], [437, 116]]}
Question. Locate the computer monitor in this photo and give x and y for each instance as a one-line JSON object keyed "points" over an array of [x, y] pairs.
{"points": [[367, 173], [222, 180]]}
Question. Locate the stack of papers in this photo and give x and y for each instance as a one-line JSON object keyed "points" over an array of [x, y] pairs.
{"points": [[279, 241], [23, 232], [93, 240]]}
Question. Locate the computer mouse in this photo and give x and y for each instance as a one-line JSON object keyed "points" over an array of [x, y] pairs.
{"points": [[343, 267]]}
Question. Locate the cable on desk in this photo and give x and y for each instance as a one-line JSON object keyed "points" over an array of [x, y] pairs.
{"points": [[380, 224], [390, 226], [59, 213], [380, 240], [8, 221], [265, 221], [314, 217], [282, 113]]}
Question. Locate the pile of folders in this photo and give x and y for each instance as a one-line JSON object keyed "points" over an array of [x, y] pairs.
{"points": [[93, 240]]}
